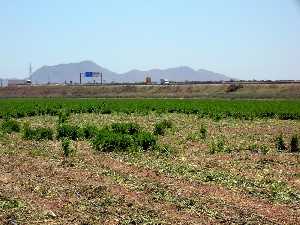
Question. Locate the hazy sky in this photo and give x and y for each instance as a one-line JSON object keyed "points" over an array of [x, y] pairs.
{"points": [[243, 39]]}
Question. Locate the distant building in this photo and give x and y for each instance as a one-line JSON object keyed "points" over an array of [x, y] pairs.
{"points": [[148, 80], [15, 82]]}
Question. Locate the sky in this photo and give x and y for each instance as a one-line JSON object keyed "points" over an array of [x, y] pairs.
{"points": [[257, 39]]}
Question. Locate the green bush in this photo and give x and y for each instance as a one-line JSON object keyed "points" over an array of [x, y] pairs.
{"points": [[63, 116], [108, 141], [66, 147], [145, 140], [161, 127], [279, 143], [68, 131], [125, 128], [40, 133], [88, 131], [294, 145], [10, 126]]}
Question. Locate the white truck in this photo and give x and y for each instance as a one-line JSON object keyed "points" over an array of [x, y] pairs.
{"points": [[164, 82]]}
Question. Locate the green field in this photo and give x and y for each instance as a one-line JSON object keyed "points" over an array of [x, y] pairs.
{"points": [[247, 109]]}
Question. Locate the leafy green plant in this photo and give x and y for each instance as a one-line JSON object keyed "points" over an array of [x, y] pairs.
{"points": [[109, 141], [63, 116], [69, 131], [88, 131], [66, 147], [216, 109], [203, 132], [219, 146], [279, 143], [165, 150], [125, 128], [145, 140], [40, 133], [254, 148], [9, 126], [294, 145], [161, 127], [123, 137], [200, 134], [6, 203]]}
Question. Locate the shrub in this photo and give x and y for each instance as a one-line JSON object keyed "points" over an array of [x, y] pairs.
{"points": [[125, 128], [66, 147], [233, 87], [69, 131], [294, 145], [10, 125], [145, 140], [160, 127], [88, 131], [63, 116], [106, 111], [279, 143], [40, 133], [109, 141]]}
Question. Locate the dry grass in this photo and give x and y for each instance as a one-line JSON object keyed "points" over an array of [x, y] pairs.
{"points": [[249, 91]]}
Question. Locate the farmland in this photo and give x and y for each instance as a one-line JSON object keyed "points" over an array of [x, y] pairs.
{"points": [[149, 161]]}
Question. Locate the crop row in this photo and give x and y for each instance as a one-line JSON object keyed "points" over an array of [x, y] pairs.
{"points": [[216, 109]]}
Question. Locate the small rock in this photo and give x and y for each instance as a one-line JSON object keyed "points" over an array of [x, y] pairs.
{"points": [[50, 214], [12, 222]]}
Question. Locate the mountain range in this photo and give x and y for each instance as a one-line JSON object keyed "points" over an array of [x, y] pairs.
{"points": [[70, 72]]}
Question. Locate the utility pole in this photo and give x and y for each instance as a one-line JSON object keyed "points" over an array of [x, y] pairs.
{"points": [[30, 71], [101, 76]]}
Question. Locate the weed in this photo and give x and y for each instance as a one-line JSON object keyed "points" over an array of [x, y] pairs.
{"points": [[109, 141], [66, 147], [279, 143], [219, 146], [69, 131], [161, 127], [10, 126], [233, 88], [40, 133], [63, 116], [6, 203], [145, 140], [203, 132], [294, 145], [125, 128], [88, 132], [254, 148], [165, 150]]}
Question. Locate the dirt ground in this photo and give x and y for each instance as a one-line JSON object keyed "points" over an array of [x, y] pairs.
{"points": [[251, 184], [253, 91]]}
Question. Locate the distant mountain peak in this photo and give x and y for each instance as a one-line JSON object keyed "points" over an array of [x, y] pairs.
{"points": [[71, 72]]}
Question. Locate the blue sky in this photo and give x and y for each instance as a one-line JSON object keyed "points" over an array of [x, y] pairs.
{"points": [[244, 39]]}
